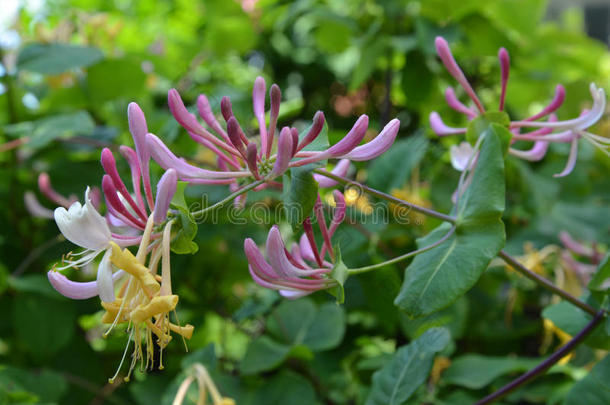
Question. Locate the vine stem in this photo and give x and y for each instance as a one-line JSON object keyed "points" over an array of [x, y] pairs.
{"points": [[545, 283], [227, 199], [546, 364], [364, 269], [387, 197]]}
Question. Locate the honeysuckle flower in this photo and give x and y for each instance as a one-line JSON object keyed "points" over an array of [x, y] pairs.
{"points": [[84, 226], [205, 384], [304, 269], [587, 257], [240, 159], [542, 132], [128, 212]]}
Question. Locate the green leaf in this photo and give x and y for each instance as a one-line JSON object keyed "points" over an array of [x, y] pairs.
{"points": [[56, 58], [417, 80], [438, 277], [178, 200], [112, 79], [34, 283], [43, 325], [46, 130], [594, 389], [263, 354], [600, 282], [46, 385], [479, 125], [392, 169], [327, 329], [285, 388], [184, 231], [318, 328], [320, 143], [572, 320], [299, 195], [407, 370], [475, 371]]}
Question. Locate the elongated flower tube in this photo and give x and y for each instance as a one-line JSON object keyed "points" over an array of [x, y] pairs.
{"points": [[241, 159], [542, 132], [303, 269]]}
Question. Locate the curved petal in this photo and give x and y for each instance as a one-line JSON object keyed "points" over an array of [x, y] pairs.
{"points": [[166, 188], [377, 146], [74, 289], [439, 127]]}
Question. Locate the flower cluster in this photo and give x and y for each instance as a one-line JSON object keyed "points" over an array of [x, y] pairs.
{"points": [[144, 299], [542, 132], [304, 269], [240, 159]]}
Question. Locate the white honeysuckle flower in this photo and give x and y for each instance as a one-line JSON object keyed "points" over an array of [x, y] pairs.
{"points": [[460, 155], [83, 225], [87, 228]]}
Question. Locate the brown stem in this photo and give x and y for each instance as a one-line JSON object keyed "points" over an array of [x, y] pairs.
{"points": [[546, 364], [545, 283]]}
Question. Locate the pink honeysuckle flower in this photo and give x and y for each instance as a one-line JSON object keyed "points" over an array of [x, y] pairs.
{"points": [[240, 158], [542, 133], [304, 269], [589, 257], [128, 212]]}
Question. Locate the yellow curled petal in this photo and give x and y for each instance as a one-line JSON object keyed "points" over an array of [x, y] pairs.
{"points": [[112, 310], [156, 306], [186, 331], [124, 259], [227, 401]]}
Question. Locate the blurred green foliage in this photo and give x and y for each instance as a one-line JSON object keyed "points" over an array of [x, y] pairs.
{"points": [[64, 93]]}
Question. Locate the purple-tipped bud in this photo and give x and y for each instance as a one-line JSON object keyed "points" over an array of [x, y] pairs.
{"points": [[206, 113], [440, 128], [34, 207], [340, 169], [284, 153], [181, 114], [166, 188], [295, 139], [352, 139], [251, 155], [556, 102], [458, 106], [575, 246], [444, 52], [314, 130], [226, 108], [504, 70], [236, 135], [44, 184], [377, 146], [535, 154], [139, 129], [109, 165], [275, 95], [116, 206], [258, 97]]}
